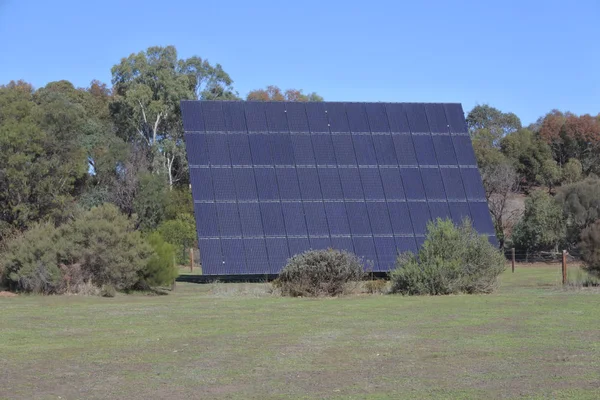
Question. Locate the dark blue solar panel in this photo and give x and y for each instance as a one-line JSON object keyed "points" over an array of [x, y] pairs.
{"points": [[444, 149], [256, 119], [337, 218], [316, 220], [472, 182], [210, 256], [197, 149], [357, 117], [266, 183], [439, 210], [298, 245], [239, 148], [297, 120], [397, 118], [425, 150], [453, 183], [323, 147], [344, 149], [234, 257], [218, 151], [464, 150], [371, 183], [432, 181], [235, 116], [364, 150], [260, 147], [386, 253], [202, 187], [379, 217], [405, 243], [317, 117], [206, 213], [413, 186], [288, 192], [223, 183], [287, 179], [400, 218], [250, 218], [419, 215], [351, 185], [282, 149], [303, 150], [338, 121], [276, 117], [358, 218], [342, 243], [417, 118], [229, 219], [257, 259], [455, 118], [459, 211], [482, 221], [405, 149], [436, 117], [365, 248], [377, 115], [330, 184], [420, 240], [319, 243], [194, 120], [392, 183], [293, 215], [245, 185], [310, 188], [384, 149], [214, 120], [278, 252], [272, 217]]}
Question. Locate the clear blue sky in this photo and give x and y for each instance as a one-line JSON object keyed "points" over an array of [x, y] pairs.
{"points": [[522, 56]]}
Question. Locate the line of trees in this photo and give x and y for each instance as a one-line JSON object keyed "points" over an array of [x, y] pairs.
{"points": [[66, 151]]}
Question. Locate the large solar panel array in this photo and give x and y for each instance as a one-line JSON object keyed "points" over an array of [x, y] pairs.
{"points": [[270, 180]]}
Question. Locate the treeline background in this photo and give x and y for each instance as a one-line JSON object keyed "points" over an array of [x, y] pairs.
{"points": [[66, 150]]}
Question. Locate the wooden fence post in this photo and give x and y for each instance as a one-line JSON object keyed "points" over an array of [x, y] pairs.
{"points": [[191, 259], [513, 260], [564, 267]]}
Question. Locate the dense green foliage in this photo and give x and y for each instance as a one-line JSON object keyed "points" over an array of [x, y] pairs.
{"points": [[581, 207], [453, 259], [181, 233], [319, 273], [590, 247], [160, 269]]}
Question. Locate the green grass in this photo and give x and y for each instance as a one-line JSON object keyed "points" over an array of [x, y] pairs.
{"points": [[531, 339]]}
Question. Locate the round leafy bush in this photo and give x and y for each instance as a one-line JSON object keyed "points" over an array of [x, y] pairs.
{"points": [[319, 273], [453, 259]]}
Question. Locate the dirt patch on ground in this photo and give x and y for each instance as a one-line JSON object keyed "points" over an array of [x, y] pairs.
{"points": [[7, 294]]}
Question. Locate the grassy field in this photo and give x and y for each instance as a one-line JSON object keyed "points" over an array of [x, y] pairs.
{"points": [[531, 339]]}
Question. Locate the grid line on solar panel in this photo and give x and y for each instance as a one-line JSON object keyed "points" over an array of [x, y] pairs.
{"points": [[214, 120], [297, 119]]}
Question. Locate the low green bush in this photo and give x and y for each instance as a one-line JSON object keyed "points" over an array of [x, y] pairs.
{"points": [[589, 246], [453, 259], [319, 273], [377, 286], [160, 269], [181, 233]]}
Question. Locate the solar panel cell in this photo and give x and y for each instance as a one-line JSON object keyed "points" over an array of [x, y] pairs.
{"points": [[197, 148], [436, 118], [365, 248], [282, 149], [342, 243], [194, 120], [386, 253], [392, 183], [295, 222], [455, 118], [351, 185], [239, 148], [256, 120], [377, 115], [202, 187], [344, 149], [439, 210], [379, 217], [400, 218], [444, 150], [330, 184], [214, 120], [419, 215], [405, 243], [338, 121], [337, 218], [464, 150], [235, 116], [319, 243], [357, 118], [266, 183], [453, 183], [260, 148], [303, 150], [310, 188], [405, 149], [278, 252], [459, 211], [316, 220], [250, 219], [317, 117], [482, 221], [424, 150], [245, 184], [218, 151], [364, 150], [272, 218], [256, 256], [397, 118], [224, 184], [432, 181], [287, 179], [384, 149], [358, 218], [210, 256], [371, 183], [234, 257], [417, 118], [298, 245], [206, 213], [472, 182], [323, 147], [297, 119], [276, 117], [413, 186], [229, 219]]}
